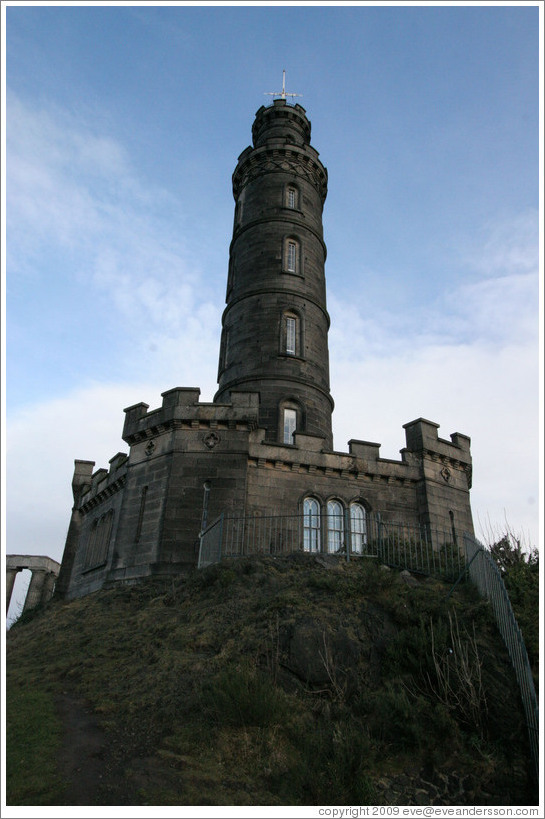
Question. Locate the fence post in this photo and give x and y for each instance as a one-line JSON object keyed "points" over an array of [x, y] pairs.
{"points": [[347, 534], [206, 488], [464, 570], [483, 573]]}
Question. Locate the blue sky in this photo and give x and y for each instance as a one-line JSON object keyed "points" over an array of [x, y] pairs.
{"points": [[123, 127]]}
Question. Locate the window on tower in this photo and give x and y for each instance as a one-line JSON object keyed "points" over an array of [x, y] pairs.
{"points": [[292, 258], [291, 419], [291, 335], [290, 425], [291, 197]]}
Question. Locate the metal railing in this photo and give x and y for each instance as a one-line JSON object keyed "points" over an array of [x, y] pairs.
{"points": [[210, 543], [484, 573], [419, 549]]}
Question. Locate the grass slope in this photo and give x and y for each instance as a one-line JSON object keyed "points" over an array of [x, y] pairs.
{"points": [[272, 681]]}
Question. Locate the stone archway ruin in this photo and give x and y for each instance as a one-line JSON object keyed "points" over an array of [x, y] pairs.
{"points": [[44, 574]]}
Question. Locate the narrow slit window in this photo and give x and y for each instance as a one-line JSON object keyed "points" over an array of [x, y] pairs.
{"points": [[292, 257], [291, 198], [291, 333], [290, 423]]}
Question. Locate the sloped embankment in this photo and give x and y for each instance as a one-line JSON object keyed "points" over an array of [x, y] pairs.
{"points": [[298, 680]]}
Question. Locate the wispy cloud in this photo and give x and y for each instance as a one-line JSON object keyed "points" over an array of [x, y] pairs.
{"points": [[74, 197], [495, 302], [507, 246], [469, 363]]}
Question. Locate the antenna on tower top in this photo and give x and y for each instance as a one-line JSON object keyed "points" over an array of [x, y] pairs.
{"points": [[282, 94]]}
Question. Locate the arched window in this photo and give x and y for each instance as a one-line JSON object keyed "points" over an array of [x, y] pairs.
{"points": [[335, 526], [292, 257], [290, 425], [311, 525], [291, 260], [358, 528], [291, 419], [290, 336], [291, 197]]}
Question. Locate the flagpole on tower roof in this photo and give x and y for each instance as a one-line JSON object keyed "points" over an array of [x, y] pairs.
{"points": [[282, 94]]}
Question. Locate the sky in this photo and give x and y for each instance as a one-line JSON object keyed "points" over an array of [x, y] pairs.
{"points": [[123, 125]]}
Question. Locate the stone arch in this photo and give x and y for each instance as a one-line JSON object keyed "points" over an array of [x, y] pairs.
{"points": [[42, 583]]}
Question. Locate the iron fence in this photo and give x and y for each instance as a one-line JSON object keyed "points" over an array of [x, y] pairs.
{"points": [[210, 543], [419, 549], [484, 573]]}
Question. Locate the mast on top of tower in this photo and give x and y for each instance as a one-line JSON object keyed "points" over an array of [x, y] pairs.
{"points": [[282, 94]]}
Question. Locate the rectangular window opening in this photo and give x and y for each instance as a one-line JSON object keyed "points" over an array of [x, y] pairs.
{"points": [[290, 422], [292, 252], [290, 335]]}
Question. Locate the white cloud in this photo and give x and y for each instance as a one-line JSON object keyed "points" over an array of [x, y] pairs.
{"points": [[489, 395], [74, 197], [469, 364], [508, 245], [42, 442]]}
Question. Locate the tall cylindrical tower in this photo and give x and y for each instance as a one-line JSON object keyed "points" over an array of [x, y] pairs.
{"points": [[275, 324]]}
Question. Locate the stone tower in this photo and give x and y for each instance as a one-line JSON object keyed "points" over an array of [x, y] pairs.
{"points": [[275, 325], [259, 458]]}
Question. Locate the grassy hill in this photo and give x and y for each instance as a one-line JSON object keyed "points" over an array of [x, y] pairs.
{"points": [[299, 680]]}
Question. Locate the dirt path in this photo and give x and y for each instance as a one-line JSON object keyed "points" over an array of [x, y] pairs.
{"points": [[83, 755], [98, 767]]}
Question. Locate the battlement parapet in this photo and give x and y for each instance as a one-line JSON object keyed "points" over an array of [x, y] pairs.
{"points": [[421, 437], [117, 462], [98, 476], [366, 450], [181, 405], [104, 482], [81, 479], [307, 453]]}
